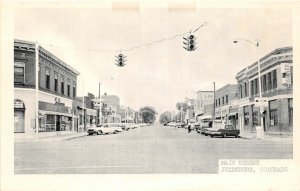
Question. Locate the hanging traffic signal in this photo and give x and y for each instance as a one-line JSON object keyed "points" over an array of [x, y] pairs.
{"points": [[120, 60], [189, 42]]}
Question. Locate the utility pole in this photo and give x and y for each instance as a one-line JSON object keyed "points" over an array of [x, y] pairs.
{"points": [[100, 106], [37, 91], [214, 102]]}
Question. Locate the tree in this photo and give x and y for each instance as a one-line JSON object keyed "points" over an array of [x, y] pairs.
{"points": [[148, 114], [165, 117], [183, 105]]}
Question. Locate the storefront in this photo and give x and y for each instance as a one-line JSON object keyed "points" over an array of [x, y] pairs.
{"points": [[19, 116]]}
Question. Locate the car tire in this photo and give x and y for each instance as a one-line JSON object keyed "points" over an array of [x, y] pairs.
{"points": [[224, 135], [236, 136], [115, 132], [99, 132], [205, 134], [211, 135], [91, 133]]}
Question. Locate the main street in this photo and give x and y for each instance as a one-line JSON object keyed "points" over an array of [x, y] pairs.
{"points": [[151, 149]]}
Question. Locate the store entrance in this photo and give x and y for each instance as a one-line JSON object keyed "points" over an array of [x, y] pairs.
{"points": [[58, 120]]}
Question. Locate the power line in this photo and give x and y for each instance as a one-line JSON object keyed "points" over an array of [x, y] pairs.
{"points": [[141, 45]]}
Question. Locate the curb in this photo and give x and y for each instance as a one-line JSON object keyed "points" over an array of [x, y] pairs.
{"points": [[74, 137]]}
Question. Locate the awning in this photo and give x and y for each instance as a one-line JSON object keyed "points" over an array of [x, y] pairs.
{"points": [[205, 116], [91, 112], [43, 112], [232, 113]]}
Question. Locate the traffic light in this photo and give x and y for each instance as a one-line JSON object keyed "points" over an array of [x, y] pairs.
{"points": [[189, 42], [120, 61]]}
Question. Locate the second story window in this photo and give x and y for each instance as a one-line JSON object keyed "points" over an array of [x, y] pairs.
{"points": [[62, 85], [55, 82], [74, 89], [269, 81], [256, 85], [274, 79], [19, 72], [69, 87], [264, 83], [47, 78], [245, 88], [252, 87], [226, 99], [222, 100], [241, 91]]}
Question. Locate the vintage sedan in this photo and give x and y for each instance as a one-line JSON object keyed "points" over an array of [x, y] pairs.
{"points": [[95, 130], [115, 127], [228, 130]]}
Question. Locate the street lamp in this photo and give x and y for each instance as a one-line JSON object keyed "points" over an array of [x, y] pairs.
{"points": [[261, 109]]}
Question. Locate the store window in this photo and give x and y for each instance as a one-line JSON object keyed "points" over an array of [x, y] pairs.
{"points": [[19, 72], [246, 118], [273, 105], [50, 123], [47, 78], [62, 85], [255, 118], [55, 82], [290, 108]]}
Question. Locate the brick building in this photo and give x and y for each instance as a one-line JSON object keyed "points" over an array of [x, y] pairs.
{"points": [[277, 88], [57, 89], [224, 107]]}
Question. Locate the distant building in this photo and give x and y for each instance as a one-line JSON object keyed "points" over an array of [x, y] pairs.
{"points": [[110, 106], [277, 88], [203, 98], [57, 90], [224, 107], [190, 112]]}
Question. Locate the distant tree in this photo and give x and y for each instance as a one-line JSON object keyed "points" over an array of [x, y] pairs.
{"points": [[165, 117], [183, 105], [148, 114]]}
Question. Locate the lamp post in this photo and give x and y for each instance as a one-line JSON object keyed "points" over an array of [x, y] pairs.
{"points": [[261, 109]]}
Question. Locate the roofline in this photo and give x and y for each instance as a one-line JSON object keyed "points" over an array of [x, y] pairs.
{"points": [[51, 54]]}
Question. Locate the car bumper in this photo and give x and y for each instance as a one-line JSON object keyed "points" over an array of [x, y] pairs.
{"points": [[215, 133]]}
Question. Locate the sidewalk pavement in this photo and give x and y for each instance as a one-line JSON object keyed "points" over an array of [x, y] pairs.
{"points": [[59, 137], [267, 136]]}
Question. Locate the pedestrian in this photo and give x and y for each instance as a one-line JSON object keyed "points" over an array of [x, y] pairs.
{"points": [[189, 127]]}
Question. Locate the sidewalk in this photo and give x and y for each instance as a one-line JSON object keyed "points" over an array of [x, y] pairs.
{"points": [[268, 136], [59, 137]]}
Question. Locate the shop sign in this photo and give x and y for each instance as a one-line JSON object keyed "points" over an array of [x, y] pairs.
{"points": [[19, 104], [58, 101], [261, 102]]}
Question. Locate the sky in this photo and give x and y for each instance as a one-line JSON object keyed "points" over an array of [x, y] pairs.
{"points": [[160, 74]]}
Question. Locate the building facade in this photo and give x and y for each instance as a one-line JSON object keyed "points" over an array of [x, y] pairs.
{"points": [[202, 99], [110, 107], [277, 90], [57, 89], [225, 107]]}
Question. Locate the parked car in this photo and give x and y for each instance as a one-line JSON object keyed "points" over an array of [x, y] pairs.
{"points": [[95, 130], [204, 126], [224, 131], [113, 127]]}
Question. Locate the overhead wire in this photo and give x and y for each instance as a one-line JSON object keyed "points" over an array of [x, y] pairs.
{"points": [[141, 45]]}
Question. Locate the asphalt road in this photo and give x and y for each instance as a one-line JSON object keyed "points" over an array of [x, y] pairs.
{"points": [[152, 149]]}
